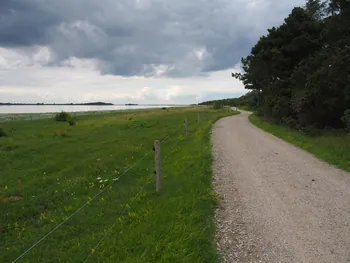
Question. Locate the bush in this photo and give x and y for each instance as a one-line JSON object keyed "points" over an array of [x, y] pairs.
{"points": [[65, 117], [290, 122], [62, 116], [2, 133], [72, 121], [346, 118], [259, 112]]}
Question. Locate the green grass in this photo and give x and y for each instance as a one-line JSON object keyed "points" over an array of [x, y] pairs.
{"points": [[56, 168], [332, 147]]}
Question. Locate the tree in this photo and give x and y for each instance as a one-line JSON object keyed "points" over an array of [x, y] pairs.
{"points": [[316, 9], [273, 58], [300, 70], [218, 105]]}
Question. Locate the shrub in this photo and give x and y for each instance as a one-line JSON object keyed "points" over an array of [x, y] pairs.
{"points": [[66, 117], [164, 108], [2, 133], [346, 118], [62, 116], [72, 121], [259, 112], [290, 122]]}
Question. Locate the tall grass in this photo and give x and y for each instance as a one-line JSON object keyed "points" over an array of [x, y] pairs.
{"points": [[332, 147], [58, 174]]}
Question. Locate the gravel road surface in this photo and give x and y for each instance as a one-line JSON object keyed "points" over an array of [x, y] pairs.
{"points": [[279, 203]]}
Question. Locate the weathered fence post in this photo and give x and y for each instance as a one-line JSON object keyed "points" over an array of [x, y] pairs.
{"points": [[157, 164], [186, 128], [199, 118]]}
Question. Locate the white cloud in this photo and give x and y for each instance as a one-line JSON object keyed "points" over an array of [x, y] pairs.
{"points": [[78, 81]]}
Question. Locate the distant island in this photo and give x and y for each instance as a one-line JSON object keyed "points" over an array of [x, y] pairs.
{"points": [[131, 104], [58, 104]]}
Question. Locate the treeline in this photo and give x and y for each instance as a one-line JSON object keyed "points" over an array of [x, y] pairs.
{"points": [[300, 71], [249, 100]]}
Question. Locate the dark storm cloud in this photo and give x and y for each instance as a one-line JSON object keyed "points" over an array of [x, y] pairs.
{"points": [[24, 23], [141, 37]]}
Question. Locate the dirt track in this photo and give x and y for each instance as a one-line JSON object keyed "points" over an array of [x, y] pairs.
{"points": [[280, 204]]}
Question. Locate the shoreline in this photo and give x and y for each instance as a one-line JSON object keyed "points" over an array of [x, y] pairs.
{"points": [[7, 117]]}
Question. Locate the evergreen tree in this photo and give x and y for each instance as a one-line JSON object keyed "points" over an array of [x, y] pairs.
{"points": [[301, 69]]}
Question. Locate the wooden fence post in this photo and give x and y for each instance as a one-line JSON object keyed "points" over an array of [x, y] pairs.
{"points": [[199, 118], [157, 164], [186, 128]]}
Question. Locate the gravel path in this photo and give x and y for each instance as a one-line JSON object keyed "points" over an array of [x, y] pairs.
{"points": [[279, 203]]}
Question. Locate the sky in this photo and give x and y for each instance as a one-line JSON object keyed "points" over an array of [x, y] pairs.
{"points": [[129, 51]]}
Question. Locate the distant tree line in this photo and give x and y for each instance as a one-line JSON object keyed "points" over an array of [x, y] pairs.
{"points": [[249, 100], [300, 71]]}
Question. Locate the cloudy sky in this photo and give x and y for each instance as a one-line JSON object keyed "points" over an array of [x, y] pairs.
{"points": [[120, 51]]}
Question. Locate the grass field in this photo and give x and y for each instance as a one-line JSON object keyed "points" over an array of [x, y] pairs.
{"points": [[333, 147], [54, 169]]}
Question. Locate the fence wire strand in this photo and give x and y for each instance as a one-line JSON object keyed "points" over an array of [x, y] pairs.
{"points": [[116, 221], [168, 136], [93, 198], [126, 208], [80, 208]]}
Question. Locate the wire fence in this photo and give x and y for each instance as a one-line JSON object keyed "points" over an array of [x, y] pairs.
{"points": [[127, 207], [79, 209], [181, 137], [171, 135]]}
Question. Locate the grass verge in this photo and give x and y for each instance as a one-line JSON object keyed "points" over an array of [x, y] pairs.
{"points": [[50, 169], [332, 147]]}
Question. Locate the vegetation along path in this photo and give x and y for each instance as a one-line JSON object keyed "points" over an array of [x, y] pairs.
{"points": [[279, 203], [86, 192]]}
